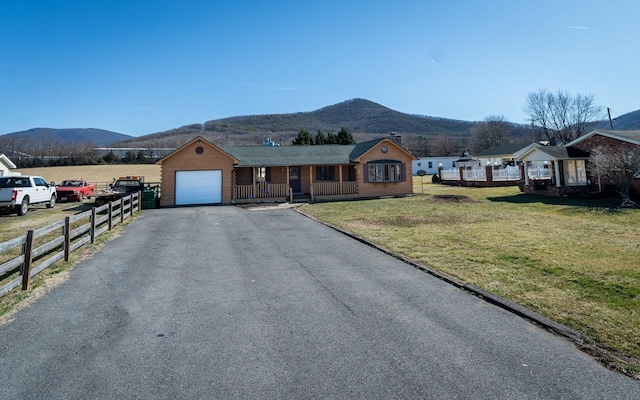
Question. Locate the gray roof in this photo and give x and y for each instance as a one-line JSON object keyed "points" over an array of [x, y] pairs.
{"points": [[627, 136], [290, 155], [509, 149], [633, 136]]}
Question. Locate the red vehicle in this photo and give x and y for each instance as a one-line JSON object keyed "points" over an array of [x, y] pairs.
{"points": [[74, 190]]}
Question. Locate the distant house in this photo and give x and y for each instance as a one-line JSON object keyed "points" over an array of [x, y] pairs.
{"points": [[5, 165], [430, 164], [564, 170], [202, 173], [500, 155]]}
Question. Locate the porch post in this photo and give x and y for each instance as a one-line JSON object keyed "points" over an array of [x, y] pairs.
{"points": [[253, 182], [556, 167], [340, 179], [311, 180], [526, 173], [288, 182]]}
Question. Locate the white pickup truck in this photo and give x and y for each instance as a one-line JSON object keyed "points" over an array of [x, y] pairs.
{"points": [[19, 192]]}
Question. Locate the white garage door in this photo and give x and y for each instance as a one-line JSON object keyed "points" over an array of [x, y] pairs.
{"points": [[198, 187]]}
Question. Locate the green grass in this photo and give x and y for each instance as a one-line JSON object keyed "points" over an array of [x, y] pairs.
{"points": [[12, 226], [574, 261]]}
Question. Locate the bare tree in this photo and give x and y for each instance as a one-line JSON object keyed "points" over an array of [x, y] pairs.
{"points": [[560, 116], [444, 145], [618, 165], [495, 130]]}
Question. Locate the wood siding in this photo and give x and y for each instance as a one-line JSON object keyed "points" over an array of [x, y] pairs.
{"points": [[373, 189], [187, 159]]}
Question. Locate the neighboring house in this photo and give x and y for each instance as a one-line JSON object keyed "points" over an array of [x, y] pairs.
{"points": [[430, 164], [5, 165], [500, 155], [564, 170], [202, 173]]}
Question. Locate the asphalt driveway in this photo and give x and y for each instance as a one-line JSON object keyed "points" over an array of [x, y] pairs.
{"points": [[225, 302]]}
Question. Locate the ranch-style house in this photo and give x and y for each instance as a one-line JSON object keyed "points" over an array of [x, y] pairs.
{"points": [[202, 173]]}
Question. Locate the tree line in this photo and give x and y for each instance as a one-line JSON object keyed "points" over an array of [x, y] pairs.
{"points": [[304, 138], [28, 153]]}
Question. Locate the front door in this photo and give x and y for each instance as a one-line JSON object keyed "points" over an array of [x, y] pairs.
{"points": [[294, 179]]}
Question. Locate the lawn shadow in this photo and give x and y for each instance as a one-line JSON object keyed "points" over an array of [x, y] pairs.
{"points": [[611, 203]]}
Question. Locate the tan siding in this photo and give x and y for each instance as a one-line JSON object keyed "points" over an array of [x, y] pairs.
{"points": [[279, 175], [385, 188], [186, 159]]}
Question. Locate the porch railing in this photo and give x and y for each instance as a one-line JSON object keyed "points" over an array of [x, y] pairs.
{"points": [[539, 173], [510, 173], [334, 188], [264, 190]]}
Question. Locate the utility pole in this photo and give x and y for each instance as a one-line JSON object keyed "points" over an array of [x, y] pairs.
{"points": [[610, 121]]}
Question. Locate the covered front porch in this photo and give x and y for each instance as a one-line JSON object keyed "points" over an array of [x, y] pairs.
{"points": [[556, 171], [294, 182]]}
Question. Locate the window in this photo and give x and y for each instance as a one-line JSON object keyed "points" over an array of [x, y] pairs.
{"points": [[263, 174], [384, 171], [575, 173], [430, 164], [325, 173]]}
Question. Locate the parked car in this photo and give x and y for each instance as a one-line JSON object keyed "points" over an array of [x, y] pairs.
{"points": [[19, 192], [74, 190]]}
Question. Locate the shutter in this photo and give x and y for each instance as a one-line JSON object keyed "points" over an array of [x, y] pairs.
{"points": [[403, 170], [365, 173]]}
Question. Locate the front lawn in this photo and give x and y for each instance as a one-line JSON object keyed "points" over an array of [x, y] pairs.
{"points": [[574, 261]]}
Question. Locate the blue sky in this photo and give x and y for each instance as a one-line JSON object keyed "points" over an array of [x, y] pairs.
{"points": [[139, 67]]}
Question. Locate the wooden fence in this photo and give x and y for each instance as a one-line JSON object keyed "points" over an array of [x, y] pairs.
{"points": [[31, 253]]}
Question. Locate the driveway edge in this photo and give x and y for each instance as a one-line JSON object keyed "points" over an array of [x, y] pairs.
{"points": [[610, 358]]}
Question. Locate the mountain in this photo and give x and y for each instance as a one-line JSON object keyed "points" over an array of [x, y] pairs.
{"points": [[628, 121], [100, 137], [364, 118], [357, 115]]}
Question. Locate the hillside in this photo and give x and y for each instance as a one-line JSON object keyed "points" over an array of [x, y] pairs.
{"points": [[628, 121], [100, 137], [363, 118]]}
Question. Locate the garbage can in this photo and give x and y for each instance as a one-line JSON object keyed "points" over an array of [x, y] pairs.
{"points": [[149, 199]]}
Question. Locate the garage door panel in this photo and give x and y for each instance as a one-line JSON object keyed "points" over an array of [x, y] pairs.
{"points": [[198, 187]]}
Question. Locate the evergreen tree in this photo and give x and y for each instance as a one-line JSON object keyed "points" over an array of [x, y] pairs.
{"points": [[303, 139], [320, 138], [110, 157], [331, 138], [344, 137], [141, 158]]}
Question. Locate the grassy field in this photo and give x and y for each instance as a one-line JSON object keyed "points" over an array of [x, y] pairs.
{"points": [[100, 174], [574, 261], [12, 225]]}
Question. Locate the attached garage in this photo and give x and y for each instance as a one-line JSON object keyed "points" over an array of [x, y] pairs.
{"points": [[198, 187], [197, 173]]}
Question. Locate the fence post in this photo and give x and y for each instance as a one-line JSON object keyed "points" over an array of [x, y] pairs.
{"points": [[131, 205], [140, 200], [26, 269], [67, 238], [110, 214], [489, 173], [93, 225], [121, 209]]}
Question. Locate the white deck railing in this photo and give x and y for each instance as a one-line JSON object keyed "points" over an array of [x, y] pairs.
{"points": [[475, 174], [506, 174], [539, 173]]}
